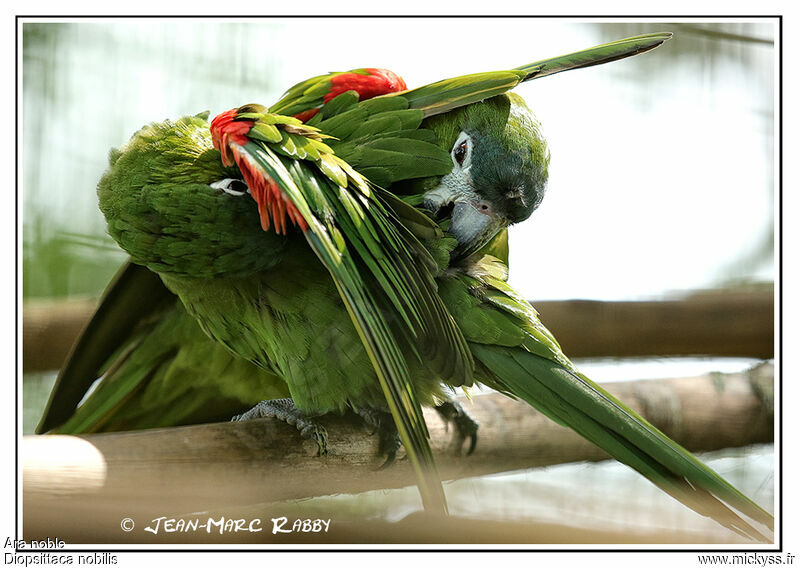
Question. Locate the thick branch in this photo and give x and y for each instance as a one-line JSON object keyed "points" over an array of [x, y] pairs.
{"points": [[149, 473], [49, 328], [711, 323], [716, 323]]}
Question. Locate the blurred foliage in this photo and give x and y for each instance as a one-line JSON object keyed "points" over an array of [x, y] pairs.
{"points": [[34, 397], [63, 264], [56, 262], [73, 74]]}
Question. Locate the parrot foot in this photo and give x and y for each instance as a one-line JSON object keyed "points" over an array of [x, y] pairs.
{"points": [[285, 410], [464, 426], [382, 423]]}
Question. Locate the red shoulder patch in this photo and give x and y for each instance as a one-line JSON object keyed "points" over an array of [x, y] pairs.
{"points": [[273, 205], [225, 128], [307, 115], [377, 82]]}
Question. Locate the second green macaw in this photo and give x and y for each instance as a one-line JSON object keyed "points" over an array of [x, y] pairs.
{"points": [[428, 304]]}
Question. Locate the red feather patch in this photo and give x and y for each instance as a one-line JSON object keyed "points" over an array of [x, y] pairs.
{"points": [[225, 129], [228, 135], [377, 82], [306, 115]]}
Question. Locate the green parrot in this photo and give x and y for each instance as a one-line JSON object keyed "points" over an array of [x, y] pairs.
{"points": [[336, 292]]}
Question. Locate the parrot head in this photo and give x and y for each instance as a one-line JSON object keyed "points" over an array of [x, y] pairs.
{"points": [[171, 203], [499, 172]]}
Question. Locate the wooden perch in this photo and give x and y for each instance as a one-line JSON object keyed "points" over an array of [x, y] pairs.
{"points": [[49, 328], [99, 479], [709, 323], [715, 323]]}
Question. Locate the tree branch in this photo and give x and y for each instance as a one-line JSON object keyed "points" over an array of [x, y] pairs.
{"points": [[149, 473], [714, 323]]}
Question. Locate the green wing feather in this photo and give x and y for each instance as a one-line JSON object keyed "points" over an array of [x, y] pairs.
{"points": [[448, 94], [597, 55], [112, 326], [379, 269], [518, 356], [382, 139], [307, 94], [161, 162], [164, 372]]}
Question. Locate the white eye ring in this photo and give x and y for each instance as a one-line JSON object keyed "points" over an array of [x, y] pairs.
{"points": [[225, 184], [462, 151]]}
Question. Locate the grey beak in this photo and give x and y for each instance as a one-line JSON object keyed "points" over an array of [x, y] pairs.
{"points": [[472, 228]]}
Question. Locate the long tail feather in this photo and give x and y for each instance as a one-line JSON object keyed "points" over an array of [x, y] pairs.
{"points": [[573, 400], [448, 94], [597, 55]]}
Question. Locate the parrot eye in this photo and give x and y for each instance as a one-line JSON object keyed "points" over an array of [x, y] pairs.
{"points": [[461, 150], [232, 186]]}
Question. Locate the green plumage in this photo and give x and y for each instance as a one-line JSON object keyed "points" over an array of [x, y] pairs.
{"points": [[373, 304], [307, 94], [381, 273], [518, 356], [147, 385], [157, 182]]}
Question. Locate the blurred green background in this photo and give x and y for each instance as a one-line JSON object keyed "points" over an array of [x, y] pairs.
{"points": [[662, 173]]}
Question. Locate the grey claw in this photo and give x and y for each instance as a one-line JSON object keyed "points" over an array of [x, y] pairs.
{"points": [[285, 410], [382, 423], [464, 426]]}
